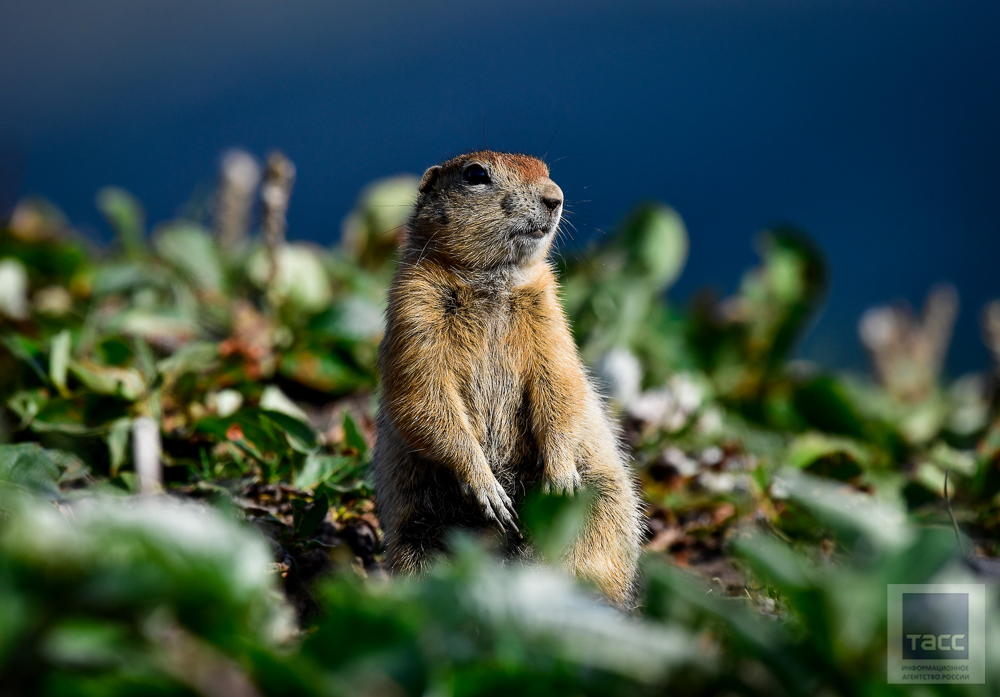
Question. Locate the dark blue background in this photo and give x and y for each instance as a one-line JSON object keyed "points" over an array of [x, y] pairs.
{"points": [[875, 126]]}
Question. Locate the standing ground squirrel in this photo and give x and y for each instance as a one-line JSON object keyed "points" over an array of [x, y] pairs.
{"points": [[484, 395]]}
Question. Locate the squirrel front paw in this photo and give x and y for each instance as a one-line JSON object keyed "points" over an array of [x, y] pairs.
{"points": [[562, 479], [493, 501]]}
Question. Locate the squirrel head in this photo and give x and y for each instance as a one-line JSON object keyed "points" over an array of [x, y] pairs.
{"points": [[484, 210]]}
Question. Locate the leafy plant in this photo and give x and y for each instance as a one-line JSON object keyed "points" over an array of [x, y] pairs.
{"points": [[782, 497]]}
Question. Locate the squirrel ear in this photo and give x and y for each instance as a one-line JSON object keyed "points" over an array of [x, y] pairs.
{"points": [[430, 176]]}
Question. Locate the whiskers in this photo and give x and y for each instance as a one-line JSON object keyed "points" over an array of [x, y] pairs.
{"points": [[554, 133], [568, 230], [558, 159]]}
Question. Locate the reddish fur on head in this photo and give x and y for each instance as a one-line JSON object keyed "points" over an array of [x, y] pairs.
{"points": [[528, 167], [507, 219]]}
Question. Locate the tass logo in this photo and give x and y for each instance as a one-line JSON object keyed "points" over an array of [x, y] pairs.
{"points": [[936, 633], [935, 626]]}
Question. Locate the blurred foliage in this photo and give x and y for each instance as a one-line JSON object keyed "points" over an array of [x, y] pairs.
{"points": [[781, 497]]}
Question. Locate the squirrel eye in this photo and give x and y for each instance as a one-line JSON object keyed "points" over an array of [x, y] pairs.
{"points": [[475, 174]]}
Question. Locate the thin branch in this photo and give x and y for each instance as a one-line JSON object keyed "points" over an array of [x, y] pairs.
{"points": [[954, 523]]}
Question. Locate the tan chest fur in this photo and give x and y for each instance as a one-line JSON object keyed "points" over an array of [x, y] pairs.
{"points": [[491, 335], [492, 374]]}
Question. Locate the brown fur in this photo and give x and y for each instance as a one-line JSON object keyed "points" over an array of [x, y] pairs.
{"points": [[483, 392]]}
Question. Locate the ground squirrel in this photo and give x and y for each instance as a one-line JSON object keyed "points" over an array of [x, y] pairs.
{"points": [[484, 395]]}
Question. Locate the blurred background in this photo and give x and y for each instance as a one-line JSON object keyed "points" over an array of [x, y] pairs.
{"points": [[192, 349], [873, 126]]}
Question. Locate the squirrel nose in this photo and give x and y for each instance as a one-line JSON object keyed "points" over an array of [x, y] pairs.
{"points": [[552, 196]]}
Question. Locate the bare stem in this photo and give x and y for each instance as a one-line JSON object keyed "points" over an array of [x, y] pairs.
{"points": [[239, 176], [279, 176], [146, 450], [954, 523]]}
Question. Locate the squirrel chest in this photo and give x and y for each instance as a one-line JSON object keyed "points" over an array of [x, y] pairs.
{"points": [[493, 335]]}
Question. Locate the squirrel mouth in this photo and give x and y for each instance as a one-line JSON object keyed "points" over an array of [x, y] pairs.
{"points": [[535, 233]]}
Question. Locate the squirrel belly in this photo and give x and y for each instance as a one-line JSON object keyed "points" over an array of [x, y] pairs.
{"points": [[484, 395]]}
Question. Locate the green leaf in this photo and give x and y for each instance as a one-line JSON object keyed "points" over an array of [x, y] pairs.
{"points": [[123, 277], [352, 435], [931, 477], [126, 217], [28, 465], [371, 230], [774, 561], [114, 350], [27, 404], [28, 351], [32, 467], [351, 319], [144, 358], [959, 461], [59, 359], [301, 436], [190, 249], [87, 644], [301, 280], [196, 357], [127, 383], [118, 435], [833, 456], [327, 469], [14, 286], [273, 399], [174, 564], [319, 369], [307, 518], [553, 522], [826, 405], [174, 329], [262, 433], [850, 513], [73, 416], [656, 244]]}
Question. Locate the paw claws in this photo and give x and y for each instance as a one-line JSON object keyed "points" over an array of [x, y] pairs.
{"points": [[496, 505], [564, 485]]}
